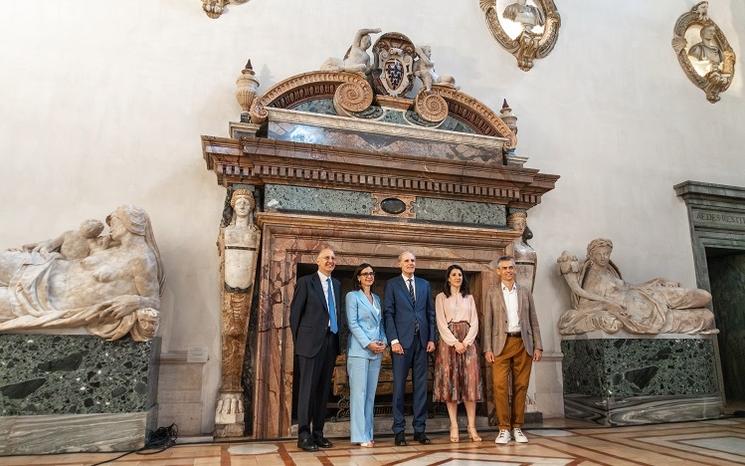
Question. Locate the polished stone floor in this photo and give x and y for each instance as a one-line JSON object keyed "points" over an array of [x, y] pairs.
{"points": [[718, 442]]}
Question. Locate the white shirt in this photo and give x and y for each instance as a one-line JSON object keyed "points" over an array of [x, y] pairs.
{"points": [[510, 302], [329, 295], [413, 287]]}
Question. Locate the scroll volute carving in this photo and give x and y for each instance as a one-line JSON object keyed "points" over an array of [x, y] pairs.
{"points": [[704, 52], [534, 26]]}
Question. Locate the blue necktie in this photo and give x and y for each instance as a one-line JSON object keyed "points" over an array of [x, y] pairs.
{"points": [[332, 307]]}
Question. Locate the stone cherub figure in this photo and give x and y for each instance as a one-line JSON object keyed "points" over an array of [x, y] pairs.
{"points": [[528, 16], [603, 301], [110, 292], [424, 69], [73, 244], [356, 60]]}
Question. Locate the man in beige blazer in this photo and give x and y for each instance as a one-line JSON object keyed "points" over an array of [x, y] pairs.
{"points": [[512, 341]]}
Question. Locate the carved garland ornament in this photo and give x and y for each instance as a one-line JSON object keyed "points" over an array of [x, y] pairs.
{"points": [[709, 62], [528, 45]]}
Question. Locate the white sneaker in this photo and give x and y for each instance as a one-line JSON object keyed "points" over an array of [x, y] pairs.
{"points": [[519, 436], [503, 438]]}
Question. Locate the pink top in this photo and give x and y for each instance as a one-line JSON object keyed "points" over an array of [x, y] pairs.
{"points": [[456, 308]]}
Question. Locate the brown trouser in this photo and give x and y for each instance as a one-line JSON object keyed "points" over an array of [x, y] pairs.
{"points": [[514, 355]]}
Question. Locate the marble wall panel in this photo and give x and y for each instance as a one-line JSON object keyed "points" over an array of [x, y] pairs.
{"points": [[180, 393], [316, 200], [460, 212], [285, 198], [326, 107], [392, 144]]}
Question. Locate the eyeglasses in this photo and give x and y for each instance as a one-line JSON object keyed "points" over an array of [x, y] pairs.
{"points": [[367, 274]]}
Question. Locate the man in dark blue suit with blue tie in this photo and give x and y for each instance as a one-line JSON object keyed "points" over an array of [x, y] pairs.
{"points": [[410, 327], [314, 321]]}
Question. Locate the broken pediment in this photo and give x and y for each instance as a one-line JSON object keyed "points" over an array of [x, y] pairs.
{"points": [[396, 85]]}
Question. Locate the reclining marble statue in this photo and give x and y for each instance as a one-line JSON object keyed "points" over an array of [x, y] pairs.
{"points": [[603, 301], [109, 285]]}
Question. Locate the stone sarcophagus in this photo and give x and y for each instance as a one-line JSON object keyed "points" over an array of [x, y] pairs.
{"points": [[372, 154]]}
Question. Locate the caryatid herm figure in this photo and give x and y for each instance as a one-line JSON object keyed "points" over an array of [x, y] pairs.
{"points": [[239, 246], [524, 254]]}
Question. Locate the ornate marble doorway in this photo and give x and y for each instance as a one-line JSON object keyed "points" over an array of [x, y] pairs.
{"points": [[717, 220], [369, 163], [293, 240]]}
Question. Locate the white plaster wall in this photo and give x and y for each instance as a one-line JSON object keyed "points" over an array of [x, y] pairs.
{"points": [[103, 103]]}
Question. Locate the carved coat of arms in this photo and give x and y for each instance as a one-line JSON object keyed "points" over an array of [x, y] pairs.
{"points": [[394, 64]]}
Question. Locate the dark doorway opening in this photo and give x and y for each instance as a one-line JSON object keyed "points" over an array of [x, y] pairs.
{"points": [[338, 407], [727, 278]]}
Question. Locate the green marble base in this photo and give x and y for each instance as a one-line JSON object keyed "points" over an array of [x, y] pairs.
{"points": [[628, 381], [48, 380]]}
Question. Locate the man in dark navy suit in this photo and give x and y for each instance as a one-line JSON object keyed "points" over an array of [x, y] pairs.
{"points": [[314, 320], [410, 327]]}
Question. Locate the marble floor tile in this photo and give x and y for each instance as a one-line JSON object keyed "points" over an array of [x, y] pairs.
{"points": [[253, 449], [734, 445], [552, 433], [678, 444]]}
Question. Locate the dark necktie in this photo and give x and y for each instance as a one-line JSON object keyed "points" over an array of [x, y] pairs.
{"points": [[332, 307], [411, 290]]}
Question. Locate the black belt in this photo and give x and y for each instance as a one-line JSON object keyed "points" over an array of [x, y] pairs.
{"points": [[514, 334]]}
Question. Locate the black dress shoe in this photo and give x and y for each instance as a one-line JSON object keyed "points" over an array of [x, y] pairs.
{"points": [[400, 440], [322, 442], [422, 438], [307, 444]]}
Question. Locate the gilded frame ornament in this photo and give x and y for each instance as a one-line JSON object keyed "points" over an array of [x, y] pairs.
{"points": [[528, 45], [710, 63], [215, 8]]}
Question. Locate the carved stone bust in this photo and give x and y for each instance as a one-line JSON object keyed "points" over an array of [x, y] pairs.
{"points": [[241, 239]]}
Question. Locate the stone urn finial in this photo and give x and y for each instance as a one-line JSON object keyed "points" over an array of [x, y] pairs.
{"points": [[507, 116], [247, 84]]}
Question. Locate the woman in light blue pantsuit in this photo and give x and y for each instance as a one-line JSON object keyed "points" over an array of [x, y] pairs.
{"points": [[366, 345]]}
